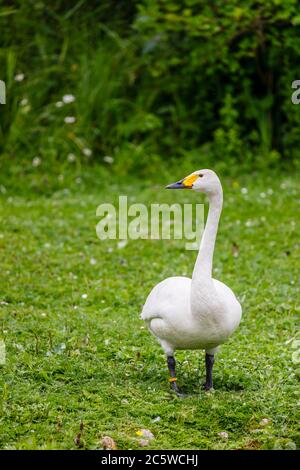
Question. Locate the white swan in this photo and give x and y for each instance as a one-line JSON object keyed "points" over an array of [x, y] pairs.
{"points": [[197, 313]]}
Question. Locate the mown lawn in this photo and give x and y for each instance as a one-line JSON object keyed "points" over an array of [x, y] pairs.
{"points": [[77, 351]]}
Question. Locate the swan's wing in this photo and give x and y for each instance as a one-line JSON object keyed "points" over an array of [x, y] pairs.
{"points": [[167, 298], [233, 306]]}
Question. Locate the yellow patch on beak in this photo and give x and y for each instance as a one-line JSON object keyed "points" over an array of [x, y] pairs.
{"points": [[190, 180]]}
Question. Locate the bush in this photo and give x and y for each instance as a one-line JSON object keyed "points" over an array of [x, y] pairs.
{"points": [[152, 81], [225, 70]]}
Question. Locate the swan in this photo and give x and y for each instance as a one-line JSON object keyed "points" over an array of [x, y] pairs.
{"points": [[197, 313]]}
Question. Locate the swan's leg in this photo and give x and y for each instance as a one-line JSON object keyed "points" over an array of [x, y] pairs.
{"points": [[171, 366], [209, 362]]}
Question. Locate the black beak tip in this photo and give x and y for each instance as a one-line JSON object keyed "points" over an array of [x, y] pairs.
{"points": [[177, 185]]}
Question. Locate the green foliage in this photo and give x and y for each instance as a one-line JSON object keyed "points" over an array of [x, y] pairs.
{"points": [[152, 81], [78, 352], [203, 53]]}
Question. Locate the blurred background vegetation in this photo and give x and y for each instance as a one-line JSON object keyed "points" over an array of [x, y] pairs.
{"points": [[134, 86]]}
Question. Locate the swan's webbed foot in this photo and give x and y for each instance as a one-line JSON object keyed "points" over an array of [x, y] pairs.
{"points": [[173, 380], [177, 390], [209, 362]]}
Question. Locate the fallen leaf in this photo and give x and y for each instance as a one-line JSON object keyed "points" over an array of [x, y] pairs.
{"points": [[252, 444], [108, 443]]}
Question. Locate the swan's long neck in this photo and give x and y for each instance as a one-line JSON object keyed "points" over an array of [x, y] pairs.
{"points": [[203, 265]]}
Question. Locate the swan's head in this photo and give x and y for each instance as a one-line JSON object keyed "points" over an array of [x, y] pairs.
{"points": [[203, 181]]}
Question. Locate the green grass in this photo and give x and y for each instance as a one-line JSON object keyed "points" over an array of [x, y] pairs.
{"points": [[72, 359]]}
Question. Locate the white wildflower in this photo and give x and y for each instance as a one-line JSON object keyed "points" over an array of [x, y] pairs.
{"points": [[24, 102], [59, 104], [87, 152], [244, 190], [122, 244], [19, 77], [108, 159], [145, 433], [84, 296], [143, 442], [71, 157], [265, 421], [36, 161], [70, 119], [156, 420], [68, 99]]}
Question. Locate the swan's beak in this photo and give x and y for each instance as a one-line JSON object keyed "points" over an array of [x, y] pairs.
{"points": [[185, 183], [179, 185]]}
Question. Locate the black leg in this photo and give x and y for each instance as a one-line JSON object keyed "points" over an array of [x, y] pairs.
{"points": [[173, 381], [209, 362]]}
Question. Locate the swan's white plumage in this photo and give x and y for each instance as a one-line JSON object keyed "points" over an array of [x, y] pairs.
{"points": [[167, 312], [197, 313]]}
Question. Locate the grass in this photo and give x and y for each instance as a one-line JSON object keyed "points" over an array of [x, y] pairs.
{"points": [[73, 360]]}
